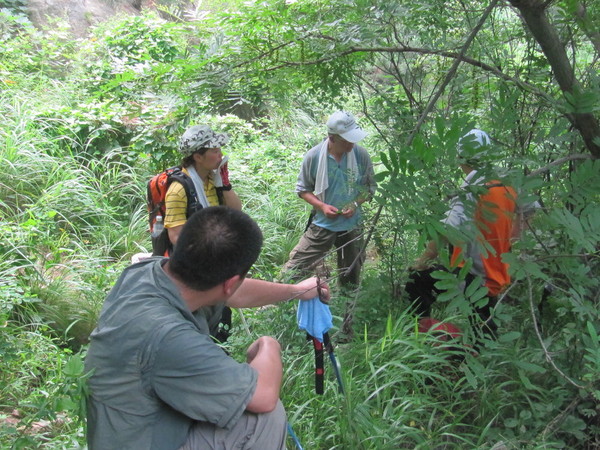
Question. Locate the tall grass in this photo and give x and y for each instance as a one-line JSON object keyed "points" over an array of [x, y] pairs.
{"points": [[400, 390], [67, 223], [65, 237], [72, 223]]}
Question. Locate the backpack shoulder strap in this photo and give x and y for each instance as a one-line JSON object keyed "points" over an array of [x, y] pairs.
{"points": [[177, 174], [220, 197]]}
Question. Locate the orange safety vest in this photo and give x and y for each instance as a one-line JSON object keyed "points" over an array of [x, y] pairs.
{"points": [[494, 216]]}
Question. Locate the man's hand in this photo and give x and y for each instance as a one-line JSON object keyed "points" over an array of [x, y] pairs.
{"points": [[255, 293], [264, 356], [313, 287], [424, 261], [330, 211], [349, 210]]}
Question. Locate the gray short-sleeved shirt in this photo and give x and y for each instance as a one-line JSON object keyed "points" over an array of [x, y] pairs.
{"points": [[156, 369]]}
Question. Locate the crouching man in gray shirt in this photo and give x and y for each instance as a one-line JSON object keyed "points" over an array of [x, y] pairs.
{"points": [[159, 381]]}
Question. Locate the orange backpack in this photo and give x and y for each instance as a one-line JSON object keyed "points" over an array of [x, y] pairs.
{"points": [[156, 192]]}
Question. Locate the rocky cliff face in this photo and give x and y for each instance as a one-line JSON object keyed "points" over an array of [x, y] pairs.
{"points": [[81, 14]]}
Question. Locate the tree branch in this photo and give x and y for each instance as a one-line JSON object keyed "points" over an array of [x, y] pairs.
{"points": [[560, 417], [583, 255], [558, 162], [541, 340], [425, 51], [592, 34], [452, 70]]}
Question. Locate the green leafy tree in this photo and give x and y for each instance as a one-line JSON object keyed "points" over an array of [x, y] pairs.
{"points": [[525, 71]]}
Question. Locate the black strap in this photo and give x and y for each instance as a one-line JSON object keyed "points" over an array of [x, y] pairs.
{"points": [[220, 197], [310, 219], [190, 191], [320, 348], [193, 205]]}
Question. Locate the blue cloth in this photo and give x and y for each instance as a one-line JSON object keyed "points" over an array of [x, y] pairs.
{"points": [[314, 317]]}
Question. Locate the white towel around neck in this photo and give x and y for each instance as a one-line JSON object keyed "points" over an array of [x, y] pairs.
{"points": [[199, 185], [322, 181]]}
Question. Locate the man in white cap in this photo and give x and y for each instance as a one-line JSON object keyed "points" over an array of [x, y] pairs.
{"points": [[335, 179]]}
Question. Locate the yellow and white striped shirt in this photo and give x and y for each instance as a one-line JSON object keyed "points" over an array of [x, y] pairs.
{"points": [[176, 201]]}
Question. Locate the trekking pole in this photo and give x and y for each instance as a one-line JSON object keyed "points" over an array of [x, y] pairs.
{"points": [[319, 367], [334, 362], [294, 437]]}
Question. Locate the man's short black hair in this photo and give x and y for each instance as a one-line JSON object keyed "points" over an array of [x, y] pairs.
{"points": [[215, 244]]}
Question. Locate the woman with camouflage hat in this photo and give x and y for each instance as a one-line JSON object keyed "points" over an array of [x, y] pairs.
{"points": [[204, 163]]}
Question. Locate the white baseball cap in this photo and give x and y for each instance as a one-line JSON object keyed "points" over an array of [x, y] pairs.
{"points": [[474, 148], [344, 124], [475, 138]]}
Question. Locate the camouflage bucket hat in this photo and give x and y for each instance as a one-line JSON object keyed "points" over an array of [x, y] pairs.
{"points": [[201, 136]]}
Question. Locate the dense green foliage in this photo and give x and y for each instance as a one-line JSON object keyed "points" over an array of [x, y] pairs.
{"points": [[87, 121]]}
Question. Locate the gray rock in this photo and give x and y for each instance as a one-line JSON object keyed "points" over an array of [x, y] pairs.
{"points": [[81, 14]]}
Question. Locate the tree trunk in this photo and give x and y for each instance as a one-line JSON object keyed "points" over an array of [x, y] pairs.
{"points": [[534, 15]]}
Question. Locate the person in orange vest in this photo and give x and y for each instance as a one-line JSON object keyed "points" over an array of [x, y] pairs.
{"points": [[484, 214]]}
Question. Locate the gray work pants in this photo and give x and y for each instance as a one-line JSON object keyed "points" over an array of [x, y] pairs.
{"points": [[252, 432], [314, 245]]}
